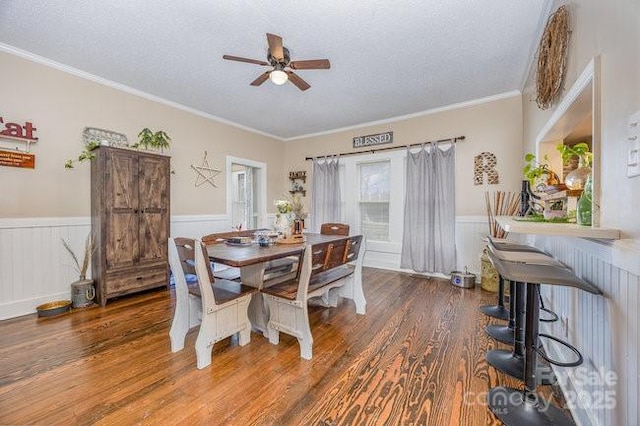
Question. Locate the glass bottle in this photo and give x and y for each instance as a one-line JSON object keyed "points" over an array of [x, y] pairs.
{"points": [[583, 210], [576, 179]]}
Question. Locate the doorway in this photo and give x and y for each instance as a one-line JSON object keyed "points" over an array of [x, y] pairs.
{"points": [[246, 193]]}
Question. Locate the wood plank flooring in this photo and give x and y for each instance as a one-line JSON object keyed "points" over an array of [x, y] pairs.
{"points": [[415, 358]]}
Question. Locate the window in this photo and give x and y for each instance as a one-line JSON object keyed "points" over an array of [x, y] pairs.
{"points": [[374, 200]]}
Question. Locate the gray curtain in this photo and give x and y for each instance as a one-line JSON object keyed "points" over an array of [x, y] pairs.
{"points": [[325, 195], [428, 242]]}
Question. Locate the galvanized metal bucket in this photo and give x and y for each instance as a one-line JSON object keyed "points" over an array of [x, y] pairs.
{"points": [[82, 293]]}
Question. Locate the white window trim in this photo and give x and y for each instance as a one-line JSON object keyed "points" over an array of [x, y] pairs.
{"points": [[351, 196]]}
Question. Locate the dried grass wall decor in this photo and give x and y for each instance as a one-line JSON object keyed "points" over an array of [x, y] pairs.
{"points": [[552, 58]]}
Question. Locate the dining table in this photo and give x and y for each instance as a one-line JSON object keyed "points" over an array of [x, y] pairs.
{"points": [[252, 258]]}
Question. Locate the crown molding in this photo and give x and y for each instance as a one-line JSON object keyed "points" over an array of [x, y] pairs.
{"points": [[450, 107]]}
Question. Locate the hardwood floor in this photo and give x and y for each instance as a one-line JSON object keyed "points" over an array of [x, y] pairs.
{"points": [[416, 357]]}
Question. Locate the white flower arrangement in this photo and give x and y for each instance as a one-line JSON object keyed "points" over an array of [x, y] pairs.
{"points": [[293, 205], [283, 206]]}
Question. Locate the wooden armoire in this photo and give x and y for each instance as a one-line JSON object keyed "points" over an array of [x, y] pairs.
{"points": [[129, 220]]}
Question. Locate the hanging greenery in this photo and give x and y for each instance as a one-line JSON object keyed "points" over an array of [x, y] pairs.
{"points": [[87, 154]]}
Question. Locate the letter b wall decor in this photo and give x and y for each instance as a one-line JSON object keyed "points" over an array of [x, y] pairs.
{"points": [[485, 162]]}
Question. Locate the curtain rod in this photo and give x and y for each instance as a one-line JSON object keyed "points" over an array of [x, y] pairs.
{"points": [[373, 151]]}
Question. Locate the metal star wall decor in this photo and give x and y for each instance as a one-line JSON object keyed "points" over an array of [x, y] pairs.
{"points": [[205, 172]]}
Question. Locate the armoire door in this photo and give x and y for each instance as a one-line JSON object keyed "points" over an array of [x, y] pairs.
{"points": [[120, 180], [153, 196]]}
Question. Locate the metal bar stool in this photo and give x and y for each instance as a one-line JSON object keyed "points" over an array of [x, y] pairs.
{"points": [[511, 362], [516, 253], [522, 407], [499, 311]]}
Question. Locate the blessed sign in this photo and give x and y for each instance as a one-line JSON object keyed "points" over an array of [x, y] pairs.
{"points": [[17, 159], [377, 139]]}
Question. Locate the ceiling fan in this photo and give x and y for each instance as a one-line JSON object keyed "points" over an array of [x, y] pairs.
{"points": [[278, 58]]}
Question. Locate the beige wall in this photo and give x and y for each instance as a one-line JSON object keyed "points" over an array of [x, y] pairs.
{"points": [[60, 105], [494, 126], [609, 29]]}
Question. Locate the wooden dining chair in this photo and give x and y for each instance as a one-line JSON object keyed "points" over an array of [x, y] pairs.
{"points": [[188, 308], [329, 267], [222, 308], [334, 229]]}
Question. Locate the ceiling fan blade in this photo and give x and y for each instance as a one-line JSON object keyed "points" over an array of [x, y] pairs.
{"points": [[311, 64], [239, 59], [261, 79], [275, 46], [297, 81]]}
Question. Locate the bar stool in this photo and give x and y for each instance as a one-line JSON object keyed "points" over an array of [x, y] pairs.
{"points": [[522, 407], [517, 253], [499, 311], [511, 362]]}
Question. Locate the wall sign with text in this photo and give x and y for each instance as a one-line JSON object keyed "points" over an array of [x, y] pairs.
{"points": [[20, 132], [377, 139]]}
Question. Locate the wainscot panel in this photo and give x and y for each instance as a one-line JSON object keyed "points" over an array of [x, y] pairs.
{"points": [[35, 268], [604, 389]]}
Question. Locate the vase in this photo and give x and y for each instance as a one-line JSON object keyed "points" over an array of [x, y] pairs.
{"points": [[524, 198], [282, 224], [576, 179], [585, 205], [488, 274]]}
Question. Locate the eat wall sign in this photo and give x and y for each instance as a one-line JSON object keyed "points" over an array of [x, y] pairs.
{"points": [[24, 132], [21, 132]]}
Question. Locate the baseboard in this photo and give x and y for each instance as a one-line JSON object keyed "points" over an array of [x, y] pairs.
{"points": [[27, 307]]}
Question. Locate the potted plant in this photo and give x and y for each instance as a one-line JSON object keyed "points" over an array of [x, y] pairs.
{"points": [[82, 290], [580, 150], [577, 178], [148, 139], [538, 174]]}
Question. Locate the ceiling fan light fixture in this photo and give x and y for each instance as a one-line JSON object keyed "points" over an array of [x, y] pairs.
{"points": [[278, 77]]}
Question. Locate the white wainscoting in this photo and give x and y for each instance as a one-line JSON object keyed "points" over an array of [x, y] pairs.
{"points": [[604, 328], [34, 267], [470, 233]]}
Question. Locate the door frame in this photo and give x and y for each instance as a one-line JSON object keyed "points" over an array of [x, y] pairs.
{"points": [[260, 175]]}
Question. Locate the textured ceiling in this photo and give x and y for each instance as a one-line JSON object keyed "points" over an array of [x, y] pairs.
{"points": [[388, 58]]}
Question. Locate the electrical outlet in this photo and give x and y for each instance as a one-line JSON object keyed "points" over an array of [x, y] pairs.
{"points": [[633, 152]]}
